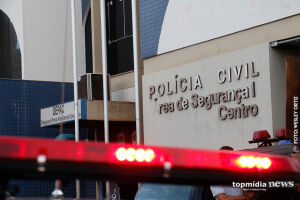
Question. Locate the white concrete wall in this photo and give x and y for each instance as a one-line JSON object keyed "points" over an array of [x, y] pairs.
{"points": [[194, 21], [14, 10], [202, 128], [48, 40], [277, 30]]}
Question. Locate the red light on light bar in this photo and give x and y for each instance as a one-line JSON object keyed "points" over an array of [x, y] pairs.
{"points": [[251, 162], [262, 134], [131, 154]]}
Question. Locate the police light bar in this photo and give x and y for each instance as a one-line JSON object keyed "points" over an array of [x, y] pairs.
{"points": [[263, 137], [148, 156], [47, 158]]}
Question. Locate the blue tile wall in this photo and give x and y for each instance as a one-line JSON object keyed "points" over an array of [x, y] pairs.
{"points": [[20, 104], [152, 14]]}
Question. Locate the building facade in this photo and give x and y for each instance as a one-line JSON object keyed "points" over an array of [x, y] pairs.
{"points": [[215, 62], [213, 71]]}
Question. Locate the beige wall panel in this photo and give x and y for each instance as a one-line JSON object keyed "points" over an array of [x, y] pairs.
{"points": [[122, 81], [118, 111], [96, 36], [202, 128]]}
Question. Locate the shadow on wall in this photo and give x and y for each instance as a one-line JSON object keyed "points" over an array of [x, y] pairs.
{"points": [[10, 53]]}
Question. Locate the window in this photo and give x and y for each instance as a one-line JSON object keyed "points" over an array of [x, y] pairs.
{"points": [[119, 36]]}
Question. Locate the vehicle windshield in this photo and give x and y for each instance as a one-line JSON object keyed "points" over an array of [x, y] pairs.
{"points": [[149, 191]]}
